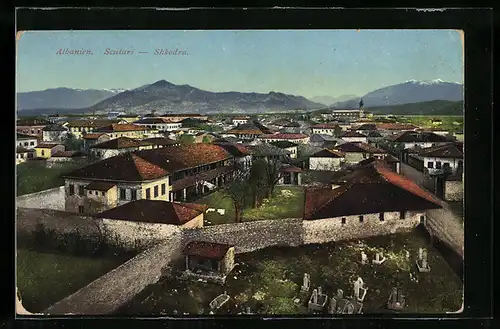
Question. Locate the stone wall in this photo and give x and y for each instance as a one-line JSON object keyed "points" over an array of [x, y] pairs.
{"points": [[454, 190], [332, 229], [47, 199], [117, 287]]}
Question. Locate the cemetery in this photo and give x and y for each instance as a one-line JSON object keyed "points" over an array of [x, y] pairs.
{"points": [[375, 275]]}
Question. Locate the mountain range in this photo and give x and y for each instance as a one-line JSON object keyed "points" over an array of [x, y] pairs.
{"points": [[411, 91], [163, 96], [64, 98]]}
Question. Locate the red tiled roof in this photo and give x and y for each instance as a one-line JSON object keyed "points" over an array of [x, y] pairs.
{"points": [[67, 154], [116, 127], [125, 167], [283, 136], [90, 123], [235, 149], [370, 149], [396, 126], [371, 189], [352, 133], [120, 143], [206, 249], [155, 211], [92, 136], [46, 145], [290, 169], [325, 126], [100, 186], [203, 176], [327, 153], [414, 136], [443, 151]]}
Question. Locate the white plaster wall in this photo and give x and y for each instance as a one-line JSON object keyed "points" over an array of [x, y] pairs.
{"points": [[355, 139], [316, 163], [48, 199]]}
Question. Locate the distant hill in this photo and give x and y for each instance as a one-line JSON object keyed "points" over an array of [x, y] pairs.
{"points": [[164, 96], [332, 100], [411, 91], [64, 98], [423, 108]]}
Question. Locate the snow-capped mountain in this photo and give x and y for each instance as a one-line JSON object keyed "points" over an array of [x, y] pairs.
{"points": [[411, 91], [64, 98]]}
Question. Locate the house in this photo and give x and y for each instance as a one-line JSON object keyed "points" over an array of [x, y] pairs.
{"points": [[78, 128], [365, 128], [242, 155], [26, 141], [436, 121], [161, 142], [31, 126], [444, 158], [239, 120], [116, 146], [288, 146], [160, 124], [290, 175], [116, 130], [295, 138], [146, 213], [269, 152], [129, 118], [391, 161], [66, 156], [249, 131], [54, 133], [435, 130], [94, 138], [203, 137], [387, 198], [326, 159], [208, 261], [23, 154], [391, 128], [417, 139], [330, 129], [115, 114], [46, 150], [354, 136], [373, 137], [284, 123], [180, 117], [355, 152], [347, 114], [324, 141]]}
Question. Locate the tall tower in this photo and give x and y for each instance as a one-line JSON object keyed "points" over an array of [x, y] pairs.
{"points": [[361, 108]]}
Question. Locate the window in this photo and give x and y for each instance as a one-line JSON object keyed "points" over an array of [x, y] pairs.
{"points": [[430, 164], [80, 209], [71, 189], [133, 194], [103, 193], [90, 192], [81, 191], [123, 194], [438, 165], [343, 220], [163, 189], [32, 143], [148, 193], [361, 218], [381, 216], [402, 215], [98, 153], [422, 220], [156, 191], [43, 152], [25, 143]]}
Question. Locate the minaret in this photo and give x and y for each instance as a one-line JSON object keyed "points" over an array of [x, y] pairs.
{"points": [[361, 108]]}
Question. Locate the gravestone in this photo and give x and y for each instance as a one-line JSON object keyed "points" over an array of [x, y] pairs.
{"points": [[359, 290], [379, 258], [314, 297], [306, 283], [340, 294], [421, 262], [364, 258], [407, 253]]}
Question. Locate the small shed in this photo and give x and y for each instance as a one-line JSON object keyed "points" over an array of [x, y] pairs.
{"points": [[209, 258]]}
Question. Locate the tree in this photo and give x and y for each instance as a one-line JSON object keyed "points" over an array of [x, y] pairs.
{"points": [[71, 143], [337, 131], [186, 139], [238, 192], [206, 139], [272, 174], [258, 181]]}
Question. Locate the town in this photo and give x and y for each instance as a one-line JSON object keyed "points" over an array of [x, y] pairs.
{"points": [[327, 211]]}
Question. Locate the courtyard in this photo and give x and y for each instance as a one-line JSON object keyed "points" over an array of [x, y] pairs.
{"points": [[45, 278], [268, 281], [287, 202]]}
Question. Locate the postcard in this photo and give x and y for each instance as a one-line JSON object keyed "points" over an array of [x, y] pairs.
{"points": [[195, 173]]}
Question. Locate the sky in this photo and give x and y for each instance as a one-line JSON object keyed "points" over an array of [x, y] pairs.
{"points": [[301, 62]]}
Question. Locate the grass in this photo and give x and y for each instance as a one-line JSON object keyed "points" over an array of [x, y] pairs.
{"points": [[287, 202], [451, 123], [34, 176], [45, 278], [269, 280]]}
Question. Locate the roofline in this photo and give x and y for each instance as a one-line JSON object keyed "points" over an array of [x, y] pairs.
{"points": [[113, 180]]}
